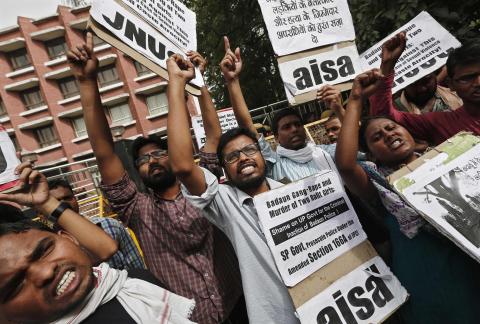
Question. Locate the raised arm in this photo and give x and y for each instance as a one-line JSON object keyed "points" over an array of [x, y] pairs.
{"points": [[84, 65], [352, 173], [180, 71], [211, 124], [35, 194], [333, 100], [231, 66]]}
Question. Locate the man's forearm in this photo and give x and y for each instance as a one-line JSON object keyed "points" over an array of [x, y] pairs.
{"points": [[239, 105], [213, 130]]}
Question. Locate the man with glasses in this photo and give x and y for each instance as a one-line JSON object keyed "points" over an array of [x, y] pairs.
{"points": [[230, 206], [182, 249], [463, 67]]}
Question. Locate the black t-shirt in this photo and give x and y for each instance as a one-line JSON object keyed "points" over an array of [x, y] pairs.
{"points": [[113, 312]]}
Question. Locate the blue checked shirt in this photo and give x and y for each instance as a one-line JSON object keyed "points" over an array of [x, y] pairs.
{"points": [[127, 257]]}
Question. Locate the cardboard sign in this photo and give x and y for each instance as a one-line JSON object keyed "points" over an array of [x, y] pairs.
{"points": [[299, 25], [443, 187], [227, 121], [428, 45], [368, 294], [8, 162], [307, 224], [171, 17], [312, 71], [135, 37]]}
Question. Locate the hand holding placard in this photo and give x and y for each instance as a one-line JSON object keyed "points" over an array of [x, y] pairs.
{"points": [[179, 69], [198, 61]]}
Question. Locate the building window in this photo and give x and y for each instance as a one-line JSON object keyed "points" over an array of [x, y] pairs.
{"points": [[32, 98], [56, 47], [79, 127], [19, 59], [120, 114], [157, 104], [3, 111], [108, 75], [46, 136], [69, 87], [141, 69], [15, 143]]}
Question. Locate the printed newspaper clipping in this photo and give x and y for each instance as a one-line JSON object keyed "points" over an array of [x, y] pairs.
{"points": [[445, 191], [428, 45], [298, 25], [308, 224]]}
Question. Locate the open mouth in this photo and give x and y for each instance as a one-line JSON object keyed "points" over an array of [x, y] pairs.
{"points": [[156, 170], [246, 169], [396, 143], [66, 283]]}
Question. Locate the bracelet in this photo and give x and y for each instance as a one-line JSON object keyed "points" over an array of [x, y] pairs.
{"points": [[57, 212]]}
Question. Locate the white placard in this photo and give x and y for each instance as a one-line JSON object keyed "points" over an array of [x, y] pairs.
{"points": [[298, 25], [368, 294], [171, 17], [308, 223], [8, 161], [449, 198], [136, 33], [428, 45], [227, 121], [312, 72]]}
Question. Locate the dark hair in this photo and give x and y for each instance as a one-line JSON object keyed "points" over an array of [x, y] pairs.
{"points": [[228, 136], [469, 53], [362, 141], [10, 214], [141, 141], [22, 226], [281, 114], [52, 184]]}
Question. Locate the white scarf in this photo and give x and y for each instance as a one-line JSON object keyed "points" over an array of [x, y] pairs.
{"points": [[310, 152], [143, 301]]}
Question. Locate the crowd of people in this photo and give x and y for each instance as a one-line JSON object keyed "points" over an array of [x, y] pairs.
{"points": [[205, 257]]}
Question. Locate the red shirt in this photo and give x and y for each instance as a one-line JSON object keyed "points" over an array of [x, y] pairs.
{"points": [[434, 127]]}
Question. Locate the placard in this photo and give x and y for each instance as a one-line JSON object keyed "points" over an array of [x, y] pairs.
{"points": [[299, 25], [171, 17], [445, 191], [428, 45], [227, 120], [8, 162], [312, 71], [307, 224], [136, 34], [368, 294]]}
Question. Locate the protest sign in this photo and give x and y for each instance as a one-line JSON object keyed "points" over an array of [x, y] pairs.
{"points": [[428, 45], [307, 224], [136, 38], [316, 69], [8, 163], [443, 187], [299, 25], [368, 294], [171, 17], [227, 121]]}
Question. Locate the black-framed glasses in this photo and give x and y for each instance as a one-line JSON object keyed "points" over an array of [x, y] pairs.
{"points": [[157, 154], [248, 150]]}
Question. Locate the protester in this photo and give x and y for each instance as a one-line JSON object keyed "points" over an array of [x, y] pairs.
{"points": [[182, 249], [463, 66], [332, 125], [230, 207], [442, 281], [425, 95], [127, 256]]}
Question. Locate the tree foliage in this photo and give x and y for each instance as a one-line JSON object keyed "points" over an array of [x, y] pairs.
{"points": [[242, 22]]}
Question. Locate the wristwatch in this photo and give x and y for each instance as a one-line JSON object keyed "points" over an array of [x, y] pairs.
{"points": [[57, 212]]}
